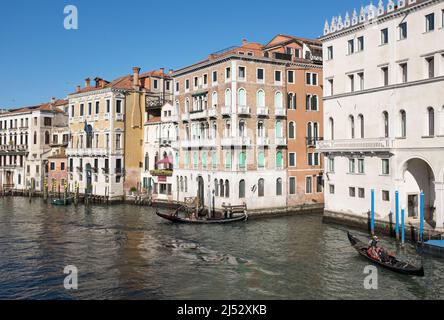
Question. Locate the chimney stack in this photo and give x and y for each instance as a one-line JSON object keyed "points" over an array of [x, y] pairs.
{"points": [[78, 89], [244, 42], [171, 72], [87, 82], [162, 71], [136, 73]]}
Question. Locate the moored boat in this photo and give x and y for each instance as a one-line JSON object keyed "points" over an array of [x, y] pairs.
{"points": [[393, 264], [62, 202], [177, 219]]}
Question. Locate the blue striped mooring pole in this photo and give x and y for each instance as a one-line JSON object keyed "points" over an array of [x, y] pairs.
{"points": [[403, 225], [372, 218], [397, 213], [421, 217]]}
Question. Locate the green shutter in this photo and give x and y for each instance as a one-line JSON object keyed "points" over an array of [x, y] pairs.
{"points": [[242, 160], [196, 160], [204, 159], [261, 160], [228, 160], [279, 160]]}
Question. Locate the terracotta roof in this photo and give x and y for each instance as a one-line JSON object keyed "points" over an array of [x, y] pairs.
{"points": [[41, 107], [58, 156], [154, 119], [299, 39]]}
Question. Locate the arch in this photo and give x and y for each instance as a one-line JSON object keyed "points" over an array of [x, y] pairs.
{"points": [[261, 188], [403, 124], [242, 189], [227, 188], [214, 99], [260, 98], [351, 124], [221, 188], [228, 98], [279, 160], [278, 100], [386, 124], [242, 160], [430, 122], [361, 126], [332, 128], [292, 130], [418, 176], [279, 187], [242, 97]]}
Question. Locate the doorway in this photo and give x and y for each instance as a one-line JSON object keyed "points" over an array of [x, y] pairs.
{"points": [[413, 205], [201, 191]]}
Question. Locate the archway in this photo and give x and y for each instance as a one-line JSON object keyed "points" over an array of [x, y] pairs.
{"points": [[419, 176], [201, 191]]}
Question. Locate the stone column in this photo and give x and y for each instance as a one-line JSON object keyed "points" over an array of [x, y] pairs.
{"points": [[439, 190]]}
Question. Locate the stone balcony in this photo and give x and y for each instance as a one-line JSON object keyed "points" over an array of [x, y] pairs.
{"points": [[280, 112], [356, 145], [197, 115], [236, 142], [11, 149], [262, 111], [280, 142], [226, 111], [244, 110], [86, 152], [262, 141]]}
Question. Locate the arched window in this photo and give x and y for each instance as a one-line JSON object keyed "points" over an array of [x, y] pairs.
{"points": [[187, 105], [260, 97], [221, 188], [279, 132], [242, 189], [242, 97], [291, 101], [278, 100], [261, 160], [431, 121], [147, 162], [186, 184], [403, 117], [291, 130], [47, 138], [279, 187], [216, 188], [242, 160], [260, 129], [214, 160], [204, 160], [227, 189], [314, 103], [228, 98], [177, 159], [361, 126], [196, 160], [351, 121], [228, 160], [261, 188], [214, 101], [332, 128], [310, 131], [279, 160], [181, 184], [385, 118], [242, 128], [227, 131]]}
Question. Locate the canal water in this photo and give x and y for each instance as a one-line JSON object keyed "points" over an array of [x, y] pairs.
{"points": [[126, 252]]}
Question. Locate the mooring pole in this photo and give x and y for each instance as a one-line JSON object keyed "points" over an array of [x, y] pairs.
{"points": [[397, 214], [403, 225], [372, 218], [421, 217]]}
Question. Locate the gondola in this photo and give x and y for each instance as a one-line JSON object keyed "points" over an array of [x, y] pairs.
{"points": [[176, 219], [394, 264], [62, 202]]}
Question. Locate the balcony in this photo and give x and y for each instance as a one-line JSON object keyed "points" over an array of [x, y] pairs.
{"points": [[212, 113], [226, 111], [185, 117], [161, 173], [236, 142], [356, 145], [262, 141], [280, 112], [85, 152], [244, 110], [312, 141], [197, 115], [11, 149], [280, 142], [262, 112], [172, 118], [119, 117]]}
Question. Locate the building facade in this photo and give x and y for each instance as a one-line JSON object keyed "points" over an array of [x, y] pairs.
{"points": [[25, 146], [384, 116]]}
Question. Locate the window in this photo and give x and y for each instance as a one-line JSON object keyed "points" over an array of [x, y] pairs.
{"points": [[205, 79], [403, 117], [291, 130], [279, 187], [361, 80], [227, 73], [360, 44], [385, 76], [279, 160], [319, 184], [241, 189], [404, 72], [385, 196], [72, 112], [430, 22], [330, 53], [278, 103], [52, 166], [261, 160], [431, 121], [331, 188], [430, 67], [385, 117], [196, 82], [361, 126], [260, 97], [292, 186], [177, 86], [155, 83], [361, 168], [108, 106], [277, 76], [331, 165], [292, 159], [361, 193], [118, 106], [331, 83], [351, 165], [351, 79], [214, 76], [242, 73], [82, 109], [97, 107], [118, 137], [291, 101], [351, 46], [242, 160], [309, 185], [311, 103], [351, 121], [352, 192], [187, 84], [384, 36], [385, 166], [403, 31], [261, 188], [228, 160], [290, 76], [313, 159], [260, 75], [227, 189], [311, 79]]}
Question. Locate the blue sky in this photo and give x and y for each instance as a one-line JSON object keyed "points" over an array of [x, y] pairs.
{"points": [[39, 59]]}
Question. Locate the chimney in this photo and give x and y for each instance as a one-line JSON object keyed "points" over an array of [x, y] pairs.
{"points": [[87, 82], [244, 42], [78, 89], [102, 83], [162, 71], [53, 100], [171, 72], [136, 73]]}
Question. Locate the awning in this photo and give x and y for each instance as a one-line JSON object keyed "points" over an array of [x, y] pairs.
{"points": [[166, 161]]}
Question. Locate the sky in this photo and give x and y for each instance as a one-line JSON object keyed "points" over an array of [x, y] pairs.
{"points": [[40, 59]]}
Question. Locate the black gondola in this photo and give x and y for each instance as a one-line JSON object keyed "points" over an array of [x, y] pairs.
{"points": [[394, 264], [175, 218]]}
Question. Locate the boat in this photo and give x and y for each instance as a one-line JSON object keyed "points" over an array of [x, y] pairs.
{"points": [[177, 219], [394, 265], [432, 247], [62, 202]]}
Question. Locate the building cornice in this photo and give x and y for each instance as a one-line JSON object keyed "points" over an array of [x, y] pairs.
{"points": [[386, 88]]}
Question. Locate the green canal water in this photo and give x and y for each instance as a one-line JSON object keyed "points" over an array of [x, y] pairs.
{"points": [[126, 252]]}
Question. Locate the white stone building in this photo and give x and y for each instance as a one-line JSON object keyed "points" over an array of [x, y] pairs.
{"points": [[384, 110]]}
